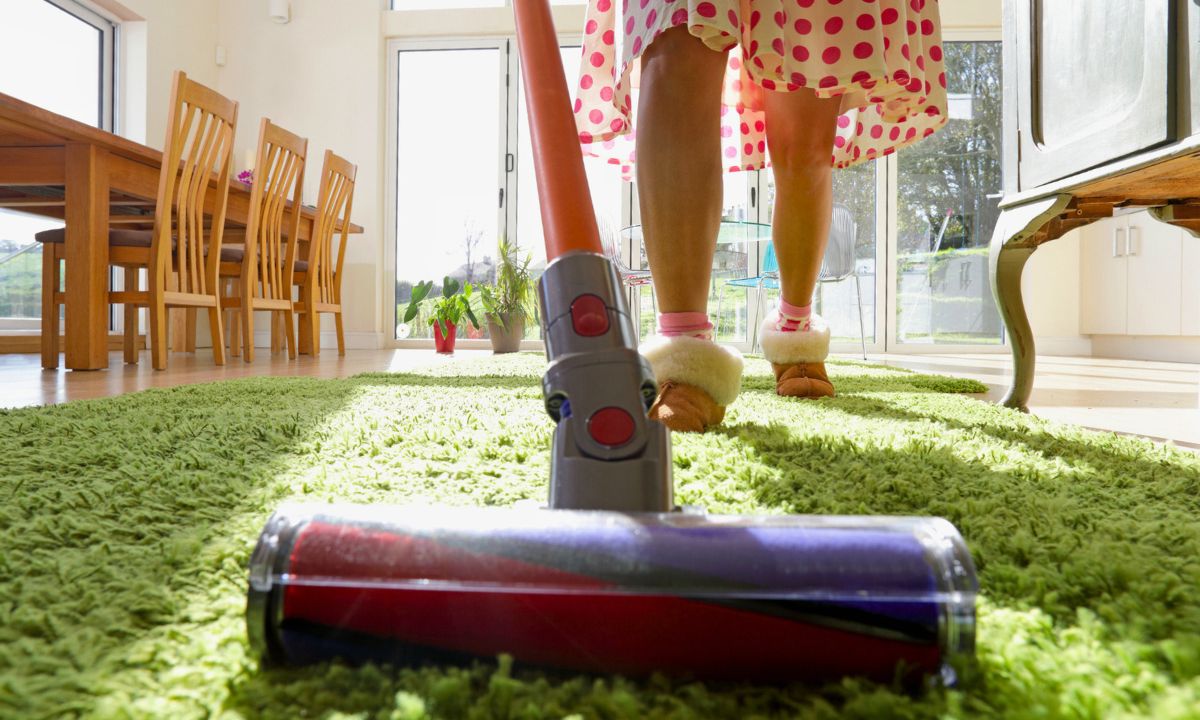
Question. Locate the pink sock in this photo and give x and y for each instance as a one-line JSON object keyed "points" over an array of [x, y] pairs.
{"points": [[694, 324], [793, 317]]}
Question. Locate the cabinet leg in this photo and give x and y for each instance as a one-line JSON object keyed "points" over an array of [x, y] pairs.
{"points": [[1010, 249]]}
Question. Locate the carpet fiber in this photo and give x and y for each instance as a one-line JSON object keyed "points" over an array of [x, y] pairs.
{"points": [[126, 525]]}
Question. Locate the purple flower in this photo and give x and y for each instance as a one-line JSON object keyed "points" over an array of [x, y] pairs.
{"points": [[246, 176]]}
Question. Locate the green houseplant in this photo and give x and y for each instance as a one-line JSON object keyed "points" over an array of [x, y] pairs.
{"points": [[446, 312], [510, 301]]}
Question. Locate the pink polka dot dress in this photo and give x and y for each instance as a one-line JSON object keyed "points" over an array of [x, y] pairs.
{"points": [[883, 58]]}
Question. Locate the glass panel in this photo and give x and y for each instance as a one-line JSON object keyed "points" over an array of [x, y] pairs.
{"points": [[949, 192], [447, 185], [836, 298], [71, 85]]}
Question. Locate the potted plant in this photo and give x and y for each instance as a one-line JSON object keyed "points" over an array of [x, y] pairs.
{"points": [[447, 311], [509, 302]]}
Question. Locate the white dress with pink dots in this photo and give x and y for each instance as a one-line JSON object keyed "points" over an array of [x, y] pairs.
{"points": [[882, 57]]}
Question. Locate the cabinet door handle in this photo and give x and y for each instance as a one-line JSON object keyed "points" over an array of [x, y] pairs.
{"points": [[1119, 231], [1132, 248]]}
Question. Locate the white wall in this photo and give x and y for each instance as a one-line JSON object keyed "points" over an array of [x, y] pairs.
{"points": [[320, 76], [1050, 287]]}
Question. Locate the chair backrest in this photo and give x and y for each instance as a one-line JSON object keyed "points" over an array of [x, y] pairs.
{"points": [[279, 176], [838, 262], [770, 264], [334, 202], [200, 130]]}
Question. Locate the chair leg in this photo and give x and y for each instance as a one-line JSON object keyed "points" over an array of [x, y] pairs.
{"points": [[289, 330], [233, 317], [276, 333], [720, 298], [158, 330], [190, 337], [49, 308], [131, 318], [217, 330], [862, 328], [341, 334], [759, 316], [247, 320]]}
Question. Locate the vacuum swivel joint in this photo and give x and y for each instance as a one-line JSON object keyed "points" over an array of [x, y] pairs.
{"points": [[607, 454]]}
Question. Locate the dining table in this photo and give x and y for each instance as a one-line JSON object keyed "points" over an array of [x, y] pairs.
{"points": [[92, 179]]}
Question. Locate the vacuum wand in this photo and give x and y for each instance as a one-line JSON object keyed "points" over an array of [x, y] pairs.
{"points": [[607, 454]]}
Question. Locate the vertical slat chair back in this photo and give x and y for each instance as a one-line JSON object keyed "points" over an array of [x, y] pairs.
{"points": [[269, 261], [334, 202], [200, 132], [838, 262]]}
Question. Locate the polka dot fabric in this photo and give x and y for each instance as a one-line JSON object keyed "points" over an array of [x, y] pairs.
{"points": [[883, 58]]}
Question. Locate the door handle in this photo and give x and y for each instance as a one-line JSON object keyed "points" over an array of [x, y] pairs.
{"points": [[501, 197], [1119, 231], [1131, 248]]}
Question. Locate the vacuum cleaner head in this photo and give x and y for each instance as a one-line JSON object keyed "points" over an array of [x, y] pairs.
{"points": [[770, 598]]}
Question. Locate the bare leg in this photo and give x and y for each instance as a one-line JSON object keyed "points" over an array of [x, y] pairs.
{"points": [[800, 132], [679, 181], [679, 166]]}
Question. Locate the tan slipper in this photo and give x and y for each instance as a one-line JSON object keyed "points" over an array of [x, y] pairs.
{"points": [[686, 408], [802, 380], [697, 379]]}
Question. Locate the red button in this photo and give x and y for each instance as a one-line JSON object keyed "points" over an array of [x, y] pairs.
{"points": [[589, 316], [611, 426]]}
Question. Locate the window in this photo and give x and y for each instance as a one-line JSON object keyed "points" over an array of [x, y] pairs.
{"points": [[65, 53], [949, 193]]}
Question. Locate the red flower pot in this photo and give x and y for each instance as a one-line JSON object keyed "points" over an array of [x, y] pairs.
{"points": [[444, 345]]}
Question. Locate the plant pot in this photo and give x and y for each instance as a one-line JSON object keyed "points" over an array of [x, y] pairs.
{"points": [[444, 345], [506, 341]]}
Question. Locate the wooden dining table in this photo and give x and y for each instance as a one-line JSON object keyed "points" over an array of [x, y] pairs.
{"points": [[57, 167]]}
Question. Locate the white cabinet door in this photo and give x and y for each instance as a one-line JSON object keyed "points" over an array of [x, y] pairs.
{"points": [[1190, 285], [1152, 257], [1103, 283]]}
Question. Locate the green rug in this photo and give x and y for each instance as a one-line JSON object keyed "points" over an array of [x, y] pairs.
{"points": [[126, 525]]}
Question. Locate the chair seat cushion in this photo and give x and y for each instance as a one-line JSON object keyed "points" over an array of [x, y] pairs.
{"points": [[116, 236]]}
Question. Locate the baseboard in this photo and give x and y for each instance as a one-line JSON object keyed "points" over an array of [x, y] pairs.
{"points": [[354, 340], [1064, 346], [1137, 347]]}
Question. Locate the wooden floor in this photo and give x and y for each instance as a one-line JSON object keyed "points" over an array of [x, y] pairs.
{"points": [[1153, 399]]}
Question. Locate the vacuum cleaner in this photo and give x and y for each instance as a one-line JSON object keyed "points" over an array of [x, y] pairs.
{"points": [[612, 577]]}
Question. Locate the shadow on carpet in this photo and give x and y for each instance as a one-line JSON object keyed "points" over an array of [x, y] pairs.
{"points": [[126, 526]]}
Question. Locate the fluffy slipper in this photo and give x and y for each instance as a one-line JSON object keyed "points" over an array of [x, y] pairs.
{"points": [[696, 378], [798, 358]]}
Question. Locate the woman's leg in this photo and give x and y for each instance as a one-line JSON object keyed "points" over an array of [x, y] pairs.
{"points": [[679, 166], [800, 132], [679, 183]]}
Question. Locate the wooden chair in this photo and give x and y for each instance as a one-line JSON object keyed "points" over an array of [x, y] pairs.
{"points": [[262, 271], [321, 283], [182, 272]]}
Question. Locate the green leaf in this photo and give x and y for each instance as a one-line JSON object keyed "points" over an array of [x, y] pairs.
{"points": [[449, 286]]}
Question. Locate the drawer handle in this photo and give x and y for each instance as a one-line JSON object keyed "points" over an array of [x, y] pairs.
{"points": [[1119, 231], [1132, 248]]}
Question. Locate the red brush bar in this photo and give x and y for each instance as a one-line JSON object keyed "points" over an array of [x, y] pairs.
{"points": [[567, 216]]}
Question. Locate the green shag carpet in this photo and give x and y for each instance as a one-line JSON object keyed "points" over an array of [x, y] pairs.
{"points": [[126, 525]]}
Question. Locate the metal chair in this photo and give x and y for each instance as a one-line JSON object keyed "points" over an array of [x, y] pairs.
{"points": [[630, 277], [837, 265], [839, 261]]}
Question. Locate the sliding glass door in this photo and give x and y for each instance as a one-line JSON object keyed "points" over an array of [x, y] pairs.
{"points": [[918, 221]]}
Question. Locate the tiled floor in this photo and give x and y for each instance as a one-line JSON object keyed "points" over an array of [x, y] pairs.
{"points": [[1155, 399]]}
